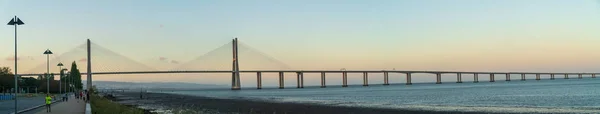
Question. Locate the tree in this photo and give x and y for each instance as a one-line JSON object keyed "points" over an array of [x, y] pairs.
{"points": [[7, 79], [76, 76]]}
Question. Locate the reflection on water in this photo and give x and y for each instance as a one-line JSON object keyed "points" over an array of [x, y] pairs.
{"points": [[572, 95]]}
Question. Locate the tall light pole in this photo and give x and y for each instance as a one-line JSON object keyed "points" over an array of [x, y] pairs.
{"points": [[60, 78], [47, 53], [70, 78], [16, 21], [66, 80]]}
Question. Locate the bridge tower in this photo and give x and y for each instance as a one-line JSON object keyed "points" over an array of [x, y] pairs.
{"points": [[89, 65], [235, 74]]}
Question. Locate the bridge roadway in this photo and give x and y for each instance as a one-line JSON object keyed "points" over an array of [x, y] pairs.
{"points": [[300, 75], [318, 71]]}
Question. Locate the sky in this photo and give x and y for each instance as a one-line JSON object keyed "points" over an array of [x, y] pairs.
{"points": [[462, 35]]}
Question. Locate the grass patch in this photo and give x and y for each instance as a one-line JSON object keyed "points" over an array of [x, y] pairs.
{"points": [[101, 105]]}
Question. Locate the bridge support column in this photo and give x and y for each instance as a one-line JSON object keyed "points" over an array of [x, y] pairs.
{"points": [[409, 78], [593, 75], [298, 83], [301, 80], [475, 78], [551, 76], [323, 80], [492, 78], [281, 80], [523, 77], [566, 76], [235, 85], [365, 79], [89, 66], [458, 78], [258, 80], [537, 76], [507, 77], [438, 78], [385, 78], [579, 76], [344, 79]]}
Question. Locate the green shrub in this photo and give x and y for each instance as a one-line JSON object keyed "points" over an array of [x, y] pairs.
{"points": [[101, 105]]}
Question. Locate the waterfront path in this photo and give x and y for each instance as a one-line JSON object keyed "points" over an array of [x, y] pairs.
{"points": [[73, 106], [8, 106]]}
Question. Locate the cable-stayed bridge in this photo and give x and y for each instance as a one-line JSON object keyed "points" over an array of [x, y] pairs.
{"points": [[107, 62]]}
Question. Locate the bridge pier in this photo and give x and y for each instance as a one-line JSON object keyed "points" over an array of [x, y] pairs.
{"points": [[409, 78], [507, 77], [579, 76], [281, 80], [300, 80], [492, 78], [344, 79], [593, 75], [537, 76], [89, 65], [235, 85], [438, 78], [523, 77], [551, 76], [385, 78], [566, 76], [475, 78], [323, 80], [365, 79], [258, 80], [458, 78]]}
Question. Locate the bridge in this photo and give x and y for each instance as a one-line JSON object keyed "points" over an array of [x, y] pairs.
{"points": [[235, 71]]}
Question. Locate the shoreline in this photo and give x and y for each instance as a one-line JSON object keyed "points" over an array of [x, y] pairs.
{"points": [[214, 105]]}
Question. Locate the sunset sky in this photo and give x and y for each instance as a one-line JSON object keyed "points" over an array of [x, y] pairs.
{"points": [[462, 35]]}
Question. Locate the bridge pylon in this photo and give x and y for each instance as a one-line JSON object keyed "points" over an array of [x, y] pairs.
{"points": [[89, 65], [235, 74]]}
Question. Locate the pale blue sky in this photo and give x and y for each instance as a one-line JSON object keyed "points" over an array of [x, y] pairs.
{"points": [[359, 34]]}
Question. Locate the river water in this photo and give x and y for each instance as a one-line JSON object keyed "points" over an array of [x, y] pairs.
{"points": [[543, 96]]}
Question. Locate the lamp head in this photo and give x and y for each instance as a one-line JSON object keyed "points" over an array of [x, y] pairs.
{"points": [[47, 52]]}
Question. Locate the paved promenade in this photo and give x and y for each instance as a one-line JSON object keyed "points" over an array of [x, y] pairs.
{"points": [[73, 106], [7, 106]]}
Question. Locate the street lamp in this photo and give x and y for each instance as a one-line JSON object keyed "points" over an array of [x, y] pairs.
{"points": [[15, 22], [60, 78], [66, 80], [48, 53]]}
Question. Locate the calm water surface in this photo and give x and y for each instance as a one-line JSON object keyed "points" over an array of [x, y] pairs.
{"points": [[545, 96]]}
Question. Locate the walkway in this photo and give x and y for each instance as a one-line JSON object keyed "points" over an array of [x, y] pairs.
{"points": [[73, 106], [8, 106]]}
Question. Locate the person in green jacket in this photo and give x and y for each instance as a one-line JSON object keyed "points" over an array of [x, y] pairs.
{"points": [[48, 102]]}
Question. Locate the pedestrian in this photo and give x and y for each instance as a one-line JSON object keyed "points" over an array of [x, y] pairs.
{"points": [[48, 102], [88, 96]]}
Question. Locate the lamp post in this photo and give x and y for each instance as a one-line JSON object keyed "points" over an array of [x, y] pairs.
{"points": [[15, 22], [47, 53], [63, 71], [69, 81], [60, 78]]}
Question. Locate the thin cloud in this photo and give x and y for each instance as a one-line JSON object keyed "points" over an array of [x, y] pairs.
{"points": [[162, 58], [83, 60], [12, 58], [174, 62]]}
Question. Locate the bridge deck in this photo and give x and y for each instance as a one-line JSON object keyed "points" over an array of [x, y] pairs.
{"points": [[317, 71]]}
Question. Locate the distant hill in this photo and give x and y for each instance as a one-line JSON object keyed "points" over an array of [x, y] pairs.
{"points": [[153, 85]]}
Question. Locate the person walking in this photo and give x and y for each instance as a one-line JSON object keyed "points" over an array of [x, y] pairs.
{"points": [[88, 96], [48, 102]]}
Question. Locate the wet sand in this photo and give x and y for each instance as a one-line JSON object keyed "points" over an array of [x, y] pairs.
{"points": [[213, 105]]}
